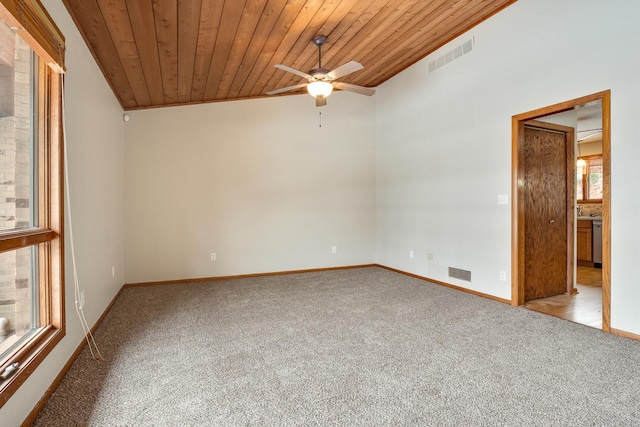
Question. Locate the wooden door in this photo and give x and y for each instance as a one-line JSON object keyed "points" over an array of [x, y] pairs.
{"points": [[545, 213]]}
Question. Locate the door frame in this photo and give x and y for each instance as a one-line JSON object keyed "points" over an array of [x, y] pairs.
{"points": [[517, 197], [569, 175]]}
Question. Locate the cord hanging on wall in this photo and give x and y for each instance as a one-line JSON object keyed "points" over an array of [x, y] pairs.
{"points": [[79, 296]]}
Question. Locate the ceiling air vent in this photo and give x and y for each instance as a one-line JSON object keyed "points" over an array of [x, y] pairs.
{"points": [[452, 55], [458, 273]]}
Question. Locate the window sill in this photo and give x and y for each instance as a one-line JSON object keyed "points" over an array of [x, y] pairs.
{"points": [[29, 357]]}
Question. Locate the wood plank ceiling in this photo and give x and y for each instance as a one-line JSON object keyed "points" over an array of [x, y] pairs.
{"points": [[158, 53]]}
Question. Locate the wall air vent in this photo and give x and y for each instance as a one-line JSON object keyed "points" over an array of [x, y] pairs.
{"points": [[458, 273], [452, 55]]}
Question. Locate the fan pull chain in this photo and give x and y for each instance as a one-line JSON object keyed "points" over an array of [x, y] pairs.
{"points": [[320, 119]]}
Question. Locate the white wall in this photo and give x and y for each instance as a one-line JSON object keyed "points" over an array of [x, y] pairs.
{"points": [[95, 149], [258, 182], [444, 140], [591, 148]]}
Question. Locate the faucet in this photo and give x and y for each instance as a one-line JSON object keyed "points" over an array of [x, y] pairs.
{"points": [[580, 210]]}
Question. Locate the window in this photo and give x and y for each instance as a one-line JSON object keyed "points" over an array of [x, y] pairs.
{"points": [[589, 179], [31, 226]]}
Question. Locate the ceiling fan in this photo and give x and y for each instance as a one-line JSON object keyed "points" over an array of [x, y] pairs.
{"points": [[320, 81]]}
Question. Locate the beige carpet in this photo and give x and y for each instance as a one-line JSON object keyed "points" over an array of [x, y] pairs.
{"points": [[361, 347]]}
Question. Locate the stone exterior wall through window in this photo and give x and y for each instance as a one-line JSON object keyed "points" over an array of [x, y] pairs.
{"points": [[16, 202]]}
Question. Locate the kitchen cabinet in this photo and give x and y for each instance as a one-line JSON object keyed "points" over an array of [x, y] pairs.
{"points": [[584, 238]]}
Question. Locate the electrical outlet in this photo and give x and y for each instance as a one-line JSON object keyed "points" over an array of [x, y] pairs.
{"points": [[113, 271], [410, 254], [503, 276], [430, 257], [213, 256], [503, 199], [81, 299], [334, 249]]}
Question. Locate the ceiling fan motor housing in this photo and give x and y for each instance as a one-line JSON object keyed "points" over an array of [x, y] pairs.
{"points": [[319, 73], [319, 40]]}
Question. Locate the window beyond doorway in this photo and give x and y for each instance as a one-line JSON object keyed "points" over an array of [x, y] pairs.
{"points": [[590, 179]]}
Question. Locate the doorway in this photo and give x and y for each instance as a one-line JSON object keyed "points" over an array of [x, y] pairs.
{"points": [[520, 208]]}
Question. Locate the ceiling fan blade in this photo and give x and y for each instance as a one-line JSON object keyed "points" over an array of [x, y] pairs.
{"points": [[355, 88], [286, 89], [294, 71], [321, 101], [343, 70]]}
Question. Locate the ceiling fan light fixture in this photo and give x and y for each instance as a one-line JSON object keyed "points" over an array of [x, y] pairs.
{"points": [[581, 163], [320, 88]]}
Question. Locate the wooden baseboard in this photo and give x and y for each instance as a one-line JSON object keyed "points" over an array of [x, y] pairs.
{"points": [[448, 285], [625, 334], [244, 276], [278, 273], [47, 394]]}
